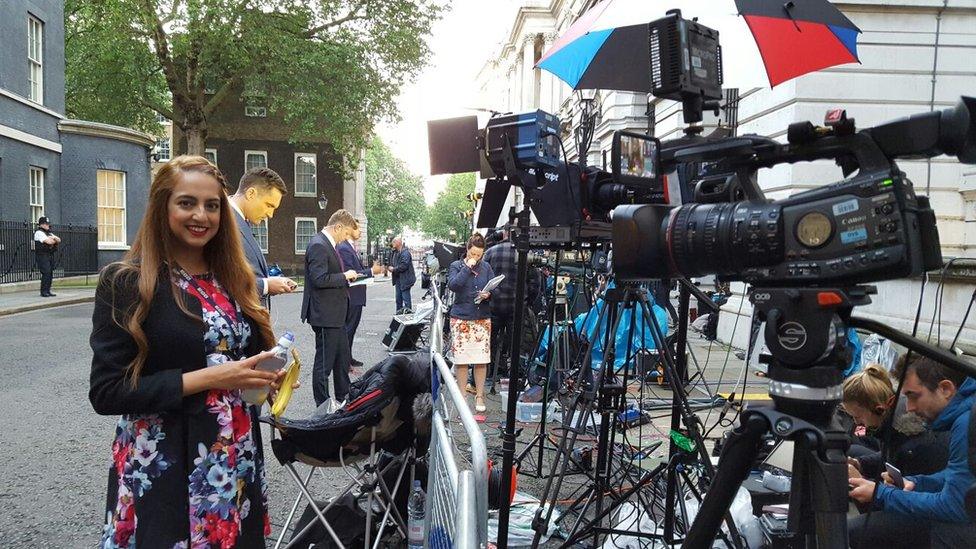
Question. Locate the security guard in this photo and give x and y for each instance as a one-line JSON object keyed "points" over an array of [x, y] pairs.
{"points": [[45, 243]]}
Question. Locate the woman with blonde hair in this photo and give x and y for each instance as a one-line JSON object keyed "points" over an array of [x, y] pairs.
{"points": [[869, 397], [177, 331]]}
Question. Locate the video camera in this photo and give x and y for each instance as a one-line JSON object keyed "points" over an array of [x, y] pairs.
{"points": [[868, 227], [570, 201]]}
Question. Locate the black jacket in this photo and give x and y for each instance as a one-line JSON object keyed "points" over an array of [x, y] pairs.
{"points": [[404, 276], [325, 301], [176, 345]]}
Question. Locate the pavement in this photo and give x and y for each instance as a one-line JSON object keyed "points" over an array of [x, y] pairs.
{"points": [[30, 300], [56, 451]]}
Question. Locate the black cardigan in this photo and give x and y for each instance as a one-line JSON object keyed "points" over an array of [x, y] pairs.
{"points": [[176, 346]]}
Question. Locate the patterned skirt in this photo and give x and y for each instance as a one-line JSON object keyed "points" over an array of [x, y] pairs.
{"points": [[471, 341]]}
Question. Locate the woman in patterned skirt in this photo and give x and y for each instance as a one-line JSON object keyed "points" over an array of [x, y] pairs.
{"points": [[177, 330], [470, 321]]}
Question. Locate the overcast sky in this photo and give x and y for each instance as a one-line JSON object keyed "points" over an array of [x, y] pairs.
{"points": [[461, 43]]}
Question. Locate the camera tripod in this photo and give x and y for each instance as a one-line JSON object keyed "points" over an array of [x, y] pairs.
{"points": [[607, 391], [805, 334]]}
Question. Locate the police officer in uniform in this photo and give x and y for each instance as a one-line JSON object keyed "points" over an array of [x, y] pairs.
{"points": [[45, 243]]}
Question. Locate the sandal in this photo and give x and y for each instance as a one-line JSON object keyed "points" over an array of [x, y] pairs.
{"points": [[479, 405]]}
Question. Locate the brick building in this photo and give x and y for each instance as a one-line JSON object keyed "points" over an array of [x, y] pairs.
{"points": [[243, 133]]}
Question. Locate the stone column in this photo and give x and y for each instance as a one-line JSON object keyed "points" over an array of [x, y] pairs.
{"points": [[528, 73], [354, 197], [546, 101]]}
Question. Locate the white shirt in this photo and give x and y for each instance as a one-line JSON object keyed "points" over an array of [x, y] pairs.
{"points": [[40, 236], [325, 231]]}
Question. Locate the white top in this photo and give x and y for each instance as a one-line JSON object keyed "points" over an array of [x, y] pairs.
{"points": [[40, 236]]}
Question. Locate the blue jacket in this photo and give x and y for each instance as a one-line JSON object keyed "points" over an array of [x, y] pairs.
{"points": [[940, 496], [253, 254], [350, 260], [402, 268], [466, 283]]}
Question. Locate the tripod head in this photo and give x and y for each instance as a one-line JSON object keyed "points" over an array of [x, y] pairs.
{"points": [[806, 335]]}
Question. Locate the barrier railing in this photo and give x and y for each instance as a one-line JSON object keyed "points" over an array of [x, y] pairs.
{"points": [[457, 493]]}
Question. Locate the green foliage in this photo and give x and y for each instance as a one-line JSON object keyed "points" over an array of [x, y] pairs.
{"points": [[443, 214], [394, 196], [331, 68]]}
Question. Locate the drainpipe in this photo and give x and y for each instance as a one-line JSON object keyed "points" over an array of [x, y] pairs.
{"points": [[935, 66]]}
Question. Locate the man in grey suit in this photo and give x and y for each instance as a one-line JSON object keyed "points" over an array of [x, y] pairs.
{"points": [[258, 195], [324, 306]]}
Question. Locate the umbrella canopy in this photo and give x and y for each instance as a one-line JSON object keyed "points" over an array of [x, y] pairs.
{"points": [[764, 42]]}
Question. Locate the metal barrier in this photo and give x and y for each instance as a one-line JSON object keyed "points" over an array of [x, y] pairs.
{"points": [[457, 495], [76, 255]]}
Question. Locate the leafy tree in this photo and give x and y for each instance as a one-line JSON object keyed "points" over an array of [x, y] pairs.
{"points": [[331, 68], [394, 196], [445, 213]]}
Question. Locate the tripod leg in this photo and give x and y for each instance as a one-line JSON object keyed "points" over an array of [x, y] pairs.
{"points": [[735, 463], [826, 477]]}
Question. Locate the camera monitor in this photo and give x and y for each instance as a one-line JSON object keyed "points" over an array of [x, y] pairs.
{"points": [[635, 160]]}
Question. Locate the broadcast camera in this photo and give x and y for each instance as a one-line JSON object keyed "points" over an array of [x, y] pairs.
{"points": [[571, 202]]}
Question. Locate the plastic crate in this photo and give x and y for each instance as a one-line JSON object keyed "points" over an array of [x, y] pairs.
{"points": [[531, 412]]}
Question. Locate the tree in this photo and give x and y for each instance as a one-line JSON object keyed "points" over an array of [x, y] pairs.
{"points": [[445, 213], [332, 68], [394, 196]]}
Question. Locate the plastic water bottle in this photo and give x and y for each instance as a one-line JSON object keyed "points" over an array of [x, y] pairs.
{"points": [[271, 364], [415, 517]]}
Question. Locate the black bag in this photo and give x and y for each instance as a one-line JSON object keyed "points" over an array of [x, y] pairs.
{"points": [[345, 517]]}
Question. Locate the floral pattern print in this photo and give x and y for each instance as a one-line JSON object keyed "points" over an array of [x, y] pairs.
{"points": [[226, 491], [471, 341]]}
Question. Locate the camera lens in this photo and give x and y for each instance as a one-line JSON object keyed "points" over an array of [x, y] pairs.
{"points": [[723, 238]]}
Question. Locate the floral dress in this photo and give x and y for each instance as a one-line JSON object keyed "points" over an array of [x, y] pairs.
{"points": [[194, 479]]}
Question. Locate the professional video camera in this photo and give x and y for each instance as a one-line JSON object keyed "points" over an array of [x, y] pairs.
{"points": [[570, 201]]}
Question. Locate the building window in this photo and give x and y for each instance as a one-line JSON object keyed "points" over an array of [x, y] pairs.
{"points": [[162, 149], [260, 233], [211, 156], [255, 111], [36, 193], [305, 174], [305, 228], [35, 59], [111, 207], [255, 159]]}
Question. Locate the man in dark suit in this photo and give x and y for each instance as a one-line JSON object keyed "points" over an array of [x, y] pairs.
{"points": [[258, 195], [357, 294], [324, 307], [403, 275]]}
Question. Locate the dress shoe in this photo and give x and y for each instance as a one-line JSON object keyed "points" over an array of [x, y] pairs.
{"points": [[355, 363]]}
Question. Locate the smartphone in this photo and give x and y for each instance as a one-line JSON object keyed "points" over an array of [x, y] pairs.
{"points": [[895, 475]]}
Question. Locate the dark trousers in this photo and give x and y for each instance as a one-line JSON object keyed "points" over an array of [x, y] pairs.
{"points": [[501, 322], [45, 264], [892, 530], [403, 298], [353, 315], [331, 358]]}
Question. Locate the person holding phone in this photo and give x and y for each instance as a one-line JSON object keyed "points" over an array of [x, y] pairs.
{"points": [[177, 331], [869, 398], [929, 511], [470, 321]]}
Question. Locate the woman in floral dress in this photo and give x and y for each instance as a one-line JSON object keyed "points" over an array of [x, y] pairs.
{"points": [[177, 330], [470, 321]]}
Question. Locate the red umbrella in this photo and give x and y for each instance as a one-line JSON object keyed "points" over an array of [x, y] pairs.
{"points": [[765, 42]]}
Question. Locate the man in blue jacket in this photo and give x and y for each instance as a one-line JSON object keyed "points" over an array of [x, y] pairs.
{"points": [[404, 277], [929, 511]]}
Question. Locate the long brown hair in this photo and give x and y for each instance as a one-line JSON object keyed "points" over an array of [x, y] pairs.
{"points": [[151, 254], [869, 388]]}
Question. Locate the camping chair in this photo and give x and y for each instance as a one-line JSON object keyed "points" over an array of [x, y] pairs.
{"points": [[379, 417]]}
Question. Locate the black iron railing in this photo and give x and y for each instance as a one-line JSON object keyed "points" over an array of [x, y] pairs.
{"points": [[76, 255]]}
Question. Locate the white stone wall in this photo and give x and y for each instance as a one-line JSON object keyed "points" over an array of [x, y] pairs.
{"points": [[895, 78]]}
